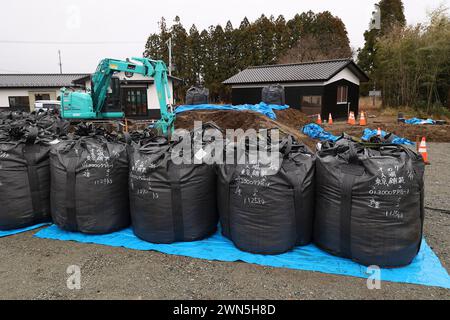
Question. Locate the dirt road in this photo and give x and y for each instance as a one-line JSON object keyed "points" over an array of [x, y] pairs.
{"points": [[33, 268]]}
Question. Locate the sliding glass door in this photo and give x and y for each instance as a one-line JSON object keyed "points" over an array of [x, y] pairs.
{"points": [[135, 102]]}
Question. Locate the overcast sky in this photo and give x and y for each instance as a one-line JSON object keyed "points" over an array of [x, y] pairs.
{"points": [[31, 32]]}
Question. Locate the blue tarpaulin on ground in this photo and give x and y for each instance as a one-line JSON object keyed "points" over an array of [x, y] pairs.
{"points": [[17, 231], [369, 133], [263, 108], [425, 270], [417, 121], [315, 131]]}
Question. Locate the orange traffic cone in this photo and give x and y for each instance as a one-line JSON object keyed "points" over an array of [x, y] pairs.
{"points": [[351, 119], [330, 119], [319, 119], [423, 150], [379, 133], [363, 120]]}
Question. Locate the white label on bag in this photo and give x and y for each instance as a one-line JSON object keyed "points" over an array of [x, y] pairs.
{"points": [[200, 154]]}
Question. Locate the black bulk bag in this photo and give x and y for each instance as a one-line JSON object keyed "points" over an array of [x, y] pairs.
{"points": [[24, 182], [89, 185], [170, 202], [369, 202], [196, 95], [274, 94], [269, 213]]}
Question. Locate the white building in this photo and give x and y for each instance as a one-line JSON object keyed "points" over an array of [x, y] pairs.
{"points": [[20, 91], [138, 96]]}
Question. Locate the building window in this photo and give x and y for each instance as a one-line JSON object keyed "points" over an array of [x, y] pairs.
{"points": [[135, 102], [40, 97], [312, 101], [19, 102], [311, 104], [342, 94]]}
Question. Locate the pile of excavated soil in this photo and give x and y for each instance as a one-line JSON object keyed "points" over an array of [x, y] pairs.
{"points": [[288, 121]]}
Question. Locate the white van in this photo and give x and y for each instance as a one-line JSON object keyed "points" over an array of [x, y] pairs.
{"points": [[47, 105]]}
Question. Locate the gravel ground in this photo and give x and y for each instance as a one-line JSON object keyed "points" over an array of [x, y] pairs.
{"points": [[32, 268]]}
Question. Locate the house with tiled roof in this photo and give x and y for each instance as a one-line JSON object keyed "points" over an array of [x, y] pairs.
{"points": [[20, 91], [320, 87], [137, 96]]}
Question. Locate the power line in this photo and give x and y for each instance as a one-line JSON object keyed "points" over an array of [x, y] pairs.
{"points": [[69, 42], [11, 71]]}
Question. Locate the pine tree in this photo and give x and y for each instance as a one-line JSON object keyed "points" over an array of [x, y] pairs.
{"points": [[211, 56], [179, 52], [322, 36], [281, 36], [194, 57]]}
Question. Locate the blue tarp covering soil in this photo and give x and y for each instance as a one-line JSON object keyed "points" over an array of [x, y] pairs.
{"points": [[369, 133], [315, 131], [263, 108]]}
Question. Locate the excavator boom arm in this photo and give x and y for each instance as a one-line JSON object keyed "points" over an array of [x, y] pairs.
{"points": [[101, 80]]}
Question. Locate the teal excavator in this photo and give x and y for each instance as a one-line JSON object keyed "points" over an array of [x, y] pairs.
{"points": [[92, 105]]}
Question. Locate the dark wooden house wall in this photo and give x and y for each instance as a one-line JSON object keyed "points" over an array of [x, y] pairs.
{"points": [[246, 96], [329, 101], [294, 94], [294, 97]]}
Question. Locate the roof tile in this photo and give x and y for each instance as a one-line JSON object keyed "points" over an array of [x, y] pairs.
{"points": [[310, 71], [38, 80]]}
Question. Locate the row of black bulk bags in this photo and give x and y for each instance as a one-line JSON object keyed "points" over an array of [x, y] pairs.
{"points": [[369, 202], [170, 202], [268, 209], [89, 185], [24, 181]]}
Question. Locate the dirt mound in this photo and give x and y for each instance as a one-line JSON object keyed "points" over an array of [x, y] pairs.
{"points": [[288, 121]]}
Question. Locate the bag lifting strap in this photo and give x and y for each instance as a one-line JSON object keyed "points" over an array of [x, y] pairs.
{"points": [[177, 201], [71, 182], [227, 177], [350, 172], [292, 173], [30, 152]]}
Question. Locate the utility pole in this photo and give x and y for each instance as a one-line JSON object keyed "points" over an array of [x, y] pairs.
{"points": [[169, 45], [375, 24], [60, 62]]}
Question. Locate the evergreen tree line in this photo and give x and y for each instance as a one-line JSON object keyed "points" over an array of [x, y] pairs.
{"points": [[409, 64], [208, 57]]}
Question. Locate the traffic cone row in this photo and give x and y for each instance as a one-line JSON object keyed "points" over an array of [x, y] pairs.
{"points": [[351, 119]]}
